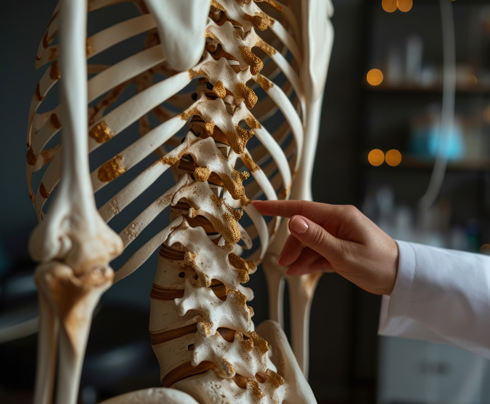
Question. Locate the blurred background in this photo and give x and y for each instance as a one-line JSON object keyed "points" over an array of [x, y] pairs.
{"points": [[379, 139]]}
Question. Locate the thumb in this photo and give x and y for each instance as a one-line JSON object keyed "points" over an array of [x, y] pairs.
{"points": [[314, 236]]}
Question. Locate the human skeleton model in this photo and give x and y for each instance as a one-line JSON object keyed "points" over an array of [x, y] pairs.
{"points": [[200, 325]]}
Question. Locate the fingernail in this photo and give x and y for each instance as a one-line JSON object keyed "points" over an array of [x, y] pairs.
{"points": [[298, 225]]}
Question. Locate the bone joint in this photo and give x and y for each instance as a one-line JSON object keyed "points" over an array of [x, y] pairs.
{"points": [[254, 61]]}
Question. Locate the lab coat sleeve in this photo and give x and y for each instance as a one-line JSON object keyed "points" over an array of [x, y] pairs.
{"points": [[440, 296]]}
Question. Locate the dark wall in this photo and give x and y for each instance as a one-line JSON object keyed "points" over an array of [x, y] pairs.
{"points": [[22, 25]]}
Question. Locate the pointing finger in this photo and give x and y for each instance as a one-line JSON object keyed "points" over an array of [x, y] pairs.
{"points": [[290, 208]]}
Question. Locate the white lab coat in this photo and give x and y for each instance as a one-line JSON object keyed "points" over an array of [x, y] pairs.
{"points": [[441, 296]]}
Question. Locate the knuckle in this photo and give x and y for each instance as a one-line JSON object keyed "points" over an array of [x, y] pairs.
{"points": [[351, 210], [302, 207]]}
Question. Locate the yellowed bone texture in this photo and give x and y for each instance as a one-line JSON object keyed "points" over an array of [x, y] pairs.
{"points": [[211, 350]]}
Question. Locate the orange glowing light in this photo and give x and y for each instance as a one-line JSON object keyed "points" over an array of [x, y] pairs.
{"points": [[374, 77], [393, 157], [376, 157], [485, 249], [405, 5], [389, 5]]}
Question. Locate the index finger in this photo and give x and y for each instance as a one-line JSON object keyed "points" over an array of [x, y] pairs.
{"points": [[310, 210]]}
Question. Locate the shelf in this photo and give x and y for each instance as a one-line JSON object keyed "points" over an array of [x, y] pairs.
{"points": [[432, 3], [414, 89], [411, 162]]}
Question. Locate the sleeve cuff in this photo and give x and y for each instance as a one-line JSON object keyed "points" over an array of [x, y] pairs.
{"points": [[394, 319], [395, 307], [399, 300]]}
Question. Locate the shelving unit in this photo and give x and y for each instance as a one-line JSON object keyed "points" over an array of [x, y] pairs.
{"points": [[390, 108], [433, 89], [414, 371], [413, 162]]}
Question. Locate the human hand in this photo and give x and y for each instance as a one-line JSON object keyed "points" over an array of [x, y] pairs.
{"points": [[336, 238]]}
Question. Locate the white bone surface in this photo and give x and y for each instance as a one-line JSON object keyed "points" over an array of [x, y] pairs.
{"points": [[140, 257], [173, 18], [73, 244], [208, 260], [297, 390], [216, 349], [315, 24], [200, 322], [214, 311], [212, 389], [152, 396]]}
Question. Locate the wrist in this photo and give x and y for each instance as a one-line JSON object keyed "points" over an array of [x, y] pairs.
{"points": [[393, 268]]}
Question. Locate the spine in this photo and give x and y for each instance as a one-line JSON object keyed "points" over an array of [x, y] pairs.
{"points": [[200, 325]]}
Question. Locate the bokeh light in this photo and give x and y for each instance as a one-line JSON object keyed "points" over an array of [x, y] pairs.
{"points": [[389, 5], [485, 249], [374, 77], [393, 157], [376, 157], [405, 5]]}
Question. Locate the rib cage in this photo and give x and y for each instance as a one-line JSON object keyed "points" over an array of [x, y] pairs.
{"points": [[206, 307], [110, 81]]}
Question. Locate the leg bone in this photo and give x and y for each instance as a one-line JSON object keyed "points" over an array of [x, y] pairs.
{"points": [[67, 300]]}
